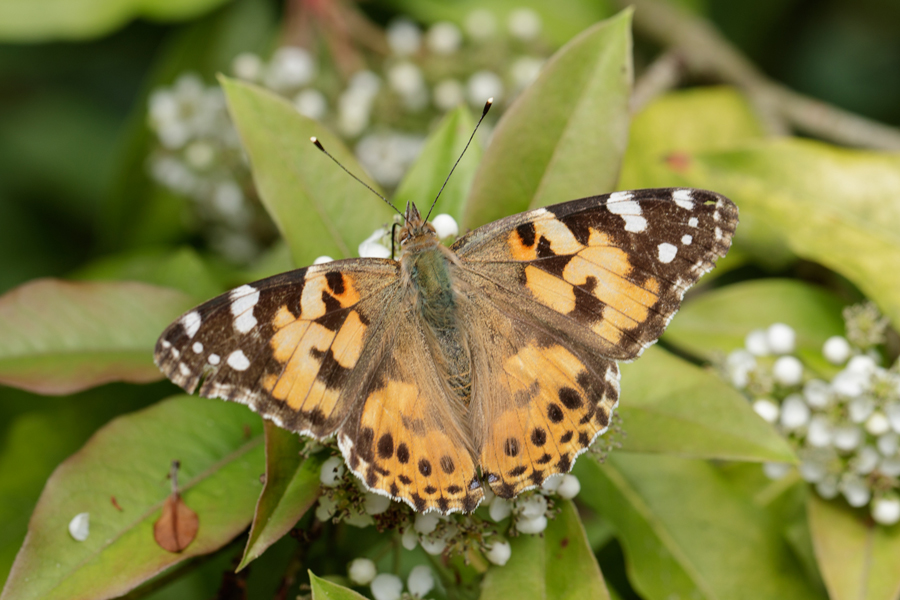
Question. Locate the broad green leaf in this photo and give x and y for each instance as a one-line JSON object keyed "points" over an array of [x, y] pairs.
{"points": [[687, 534], [32, 21], [221, 453], [318, 208], [829, 205], [322, 589], [424, 179], [182, 269], [693, 414], [57, 337], [558, 565], [719, 320], [858, 559], [564, 137], [291, 488]]}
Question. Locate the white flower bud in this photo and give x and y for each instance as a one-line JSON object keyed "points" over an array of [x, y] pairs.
{"points": [[433, 546], [757, 342], [776, 471], [817, 393], [847, 437], [499, 552], [409, 539], [488, 496], [865, 460], [767, 409], [533, 507], [893, 414], [404, 37], [552, 483], [862, 364], [426, 523], [855, 491], [890, 466], [481, 24], [813, 470], [373, 250], [836, 350], [886, 510], [888, 443], [781, 338], [794, 412], [850, 384], [332, 471], [375, 504], [311, 103], [500, 509], [448, 94], [483, 85], [247, 66], [405, 78], [788, 370], [79, 526], [878, 424], [362, 571], [445, 226], [322, 260], [444, 38], [421, 581], [290, 67], [819, 432], [739, 364], [524, 71], [524, 24], [200, 155], [569, 487], [360, 520], [325, 509], [860, 408], [387, 586], [532, 526], [827, 488]]}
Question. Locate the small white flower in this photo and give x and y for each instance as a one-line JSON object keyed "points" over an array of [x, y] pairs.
{"points": [[353, 113], [828, 487], [483, 85], [404, 37], [781, 338], [386, 586], [488, 496], [360, 520], [405, 78], [290, 68], [228, 201], [524, 24], [375, 504], [788, 370], [836, 350], [794, 412], [569, 487], [818, 435], [532, 526], [362, 571], [322, 260], [325, 509], [552, 483], [481, 24], [426, 522], [409, 539], [332, 471], [739, 364], [448, 94], [757, 342], [200, 155], [500, 509], [444, 38], [886, 510], [533, 507], [445, 226], [893, 414], [812, 470], [888, 444], [817, 393], [855, 490], [865, 460], [524, 71], [499, 552], [163, 107], [372, 248], [847, 437], [776, 471], [420, 581], [247, 66], [849, 383], [890, 466], [365, 83], [79, 526], [860, 408], [767, 409], [311, 103], [862, 364], [433, 546]]}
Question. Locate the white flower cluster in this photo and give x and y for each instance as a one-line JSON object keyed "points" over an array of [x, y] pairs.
{"points": [[529, 511], [378, 245], [846, 427], [387, 586]]}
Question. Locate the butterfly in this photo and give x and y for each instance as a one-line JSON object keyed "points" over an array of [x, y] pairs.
{"points": [[489, 362]]}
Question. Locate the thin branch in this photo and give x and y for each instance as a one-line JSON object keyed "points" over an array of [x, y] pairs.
{"points": [[706, 52]]}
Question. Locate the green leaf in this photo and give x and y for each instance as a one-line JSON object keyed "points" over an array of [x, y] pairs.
{"points": [[827, 204], [719, 320], [857, 558], [221, 453], [57, 337], [322, 589], [292, 487], [564, 137], [424, 179], [687, 534], [695, 414], [558, 565], [318, 208], [30, 21]]}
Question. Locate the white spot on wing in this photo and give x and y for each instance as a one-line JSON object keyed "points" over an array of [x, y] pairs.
{"points": [[243, 299], [166, 344], [693, 221], [629, 210], [624, 207], [683, 199], [687, 239], [718, 233], [634, 223], [245, 322], [667, 252], [185, 370], [214, 359], [197, 347], [191, 323], [237, 360], [619, 197]]}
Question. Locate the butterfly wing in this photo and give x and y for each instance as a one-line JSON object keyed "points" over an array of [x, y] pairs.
{"points": [[293, 347], [575, 287]]}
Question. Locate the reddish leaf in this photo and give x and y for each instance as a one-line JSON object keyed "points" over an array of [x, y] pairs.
{"points": [[177, 527]]}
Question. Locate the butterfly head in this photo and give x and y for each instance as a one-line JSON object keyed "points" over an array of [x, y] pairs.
{"points": [[416, 231]]}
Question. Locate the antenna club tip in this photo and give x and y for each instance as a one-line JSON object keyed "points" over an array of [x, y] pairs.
{"points": [[318, 144], [487, 106]]}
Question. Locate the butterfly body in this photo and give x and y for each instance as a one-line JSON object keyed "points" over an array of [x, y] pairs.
{"points": [[489, 362]]}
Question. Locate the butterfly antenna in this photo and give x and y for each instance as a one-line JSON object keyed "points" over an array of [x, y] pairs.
{"points": [[487, 107], [319, 145]]}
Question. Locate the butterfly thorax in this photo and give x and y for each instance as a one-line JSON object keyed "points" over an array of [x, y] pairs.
{"points": [[426, 272]]}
